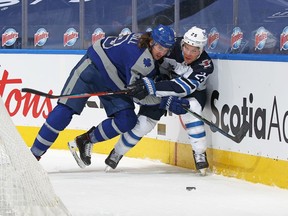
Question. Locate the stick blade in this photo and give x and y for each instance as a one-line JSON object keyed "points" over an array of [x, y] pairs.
{"points": [[242, 132]]}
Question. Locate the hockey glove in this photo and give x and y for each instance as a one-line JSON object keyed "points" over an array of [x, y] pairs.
{"points": [[174, 104], [142, 88]]}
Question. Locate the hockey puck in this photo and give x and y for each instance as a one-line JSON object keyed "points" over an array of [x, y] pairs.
{"points": [[190, 188]]}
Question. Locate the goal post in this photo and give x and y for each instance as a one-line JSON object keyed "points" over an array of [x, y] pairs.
{"points": [[25, 188]]}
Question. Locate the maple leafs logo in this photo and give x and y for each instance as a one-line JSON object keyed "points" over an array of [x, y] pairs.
{"points": [[147, 62]]}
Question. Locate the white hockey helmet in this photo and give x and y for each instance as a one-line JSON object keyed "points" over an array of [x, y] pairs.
{"points": [[195, 37]]}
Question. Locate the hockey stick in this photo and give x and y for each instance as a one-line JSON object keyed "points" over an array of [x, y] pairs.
{"points": [[237, 138], [80, 95]]}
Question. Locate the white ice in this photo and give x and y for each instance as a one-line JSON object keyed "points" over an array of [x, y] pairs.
{"points": [[150, 188]]}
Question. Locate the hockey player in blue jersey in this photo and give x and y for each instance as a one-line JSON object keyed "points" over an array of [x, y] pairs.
{"points": [[191, 68], [109, 65]]}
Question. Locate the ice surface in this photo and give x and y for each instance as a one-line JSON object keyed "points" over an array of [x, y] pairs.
{"points": [[150, 188]]}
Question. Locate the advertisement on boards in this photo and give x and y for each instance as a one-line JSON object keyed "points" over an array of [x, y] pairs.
{"points": [[238, 91], [245, 91]]}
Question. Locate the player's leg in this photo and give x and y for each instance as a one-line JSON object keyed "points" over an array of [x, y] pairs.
{"points": [[197, 135], [57, 120], [60, 117], [122, 118], [129, 139], [109, 128], [147, 119]]}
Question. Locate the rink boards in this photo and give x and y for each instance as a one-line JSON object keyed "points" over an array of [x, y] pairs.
{"points": [[238, 90]]}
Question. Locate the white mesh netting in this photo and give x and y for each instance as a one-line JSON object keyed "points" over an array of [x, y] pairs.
{"points": [[25, 188]]}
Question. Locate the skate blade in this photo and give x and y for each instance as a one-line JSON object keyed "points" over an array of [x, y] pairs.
{"points": [[203, 172], [107, 168], [72, 147]]}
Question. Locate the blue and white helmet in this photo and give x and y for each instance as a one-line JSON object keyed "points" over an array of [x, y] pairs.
{"points": [[164, 35]]}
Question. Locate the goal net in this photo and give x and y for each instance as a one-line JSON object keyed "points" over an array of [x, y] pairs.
{"points": [[25, 188]]}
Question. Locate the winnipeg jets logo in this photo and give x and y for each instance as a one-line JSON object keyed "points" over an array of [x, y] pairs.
{"points": [[147, 62], [206, 63]]}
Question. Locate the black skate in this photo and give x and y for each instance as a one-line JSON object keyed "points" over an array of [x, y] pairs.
{"points": [[112, 160], [84, 145], [201, 162]]}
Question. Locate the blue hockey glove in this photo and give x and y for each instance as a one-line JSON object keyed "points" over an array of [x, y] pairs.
{"points": [[142, 88], [174, 104]]}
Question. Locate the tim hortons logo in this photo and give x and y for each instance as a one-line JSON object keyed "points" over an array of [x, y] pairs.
{"points": [[17, 101]]}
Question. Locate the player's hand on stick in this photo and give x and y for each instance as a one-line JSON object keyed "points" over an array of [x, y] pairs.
{"points": [[142, 88], [175, 104]]}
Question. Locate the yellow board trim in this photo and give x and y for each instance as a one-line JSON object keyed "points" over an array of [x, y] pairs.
{"points": [[231, 164]]}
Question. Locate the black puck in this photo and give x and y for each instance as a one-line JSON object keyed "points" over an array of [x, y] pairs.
{"points": [[190, 188]]}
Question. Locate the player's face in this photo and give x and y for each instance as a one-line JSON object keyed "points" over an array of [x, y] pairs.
{"points": [[190, 53], [158, 51]]}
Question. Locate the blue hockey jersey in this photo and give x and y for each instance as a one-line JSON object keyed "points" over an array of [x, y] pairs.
{"points": [[120, 61]]}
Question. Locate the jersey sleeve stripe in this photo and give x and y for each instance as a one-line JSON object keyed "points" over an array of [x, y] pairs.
{"points": [[185, 84]]}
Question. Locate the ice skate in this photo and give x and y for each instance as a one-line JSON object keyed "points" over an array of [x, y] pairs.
{"points": [[112, 160], [72, 147], [84, 146], [201, 162]]}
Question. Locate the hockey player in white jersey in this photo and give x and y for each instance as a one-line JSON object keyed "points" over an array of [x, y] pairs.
{"points": [[109, 65], [191, 67]]}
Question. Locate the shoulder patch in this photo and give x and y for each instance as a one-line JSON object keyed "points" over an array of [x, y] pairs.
{"points": [[206, 63]]}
